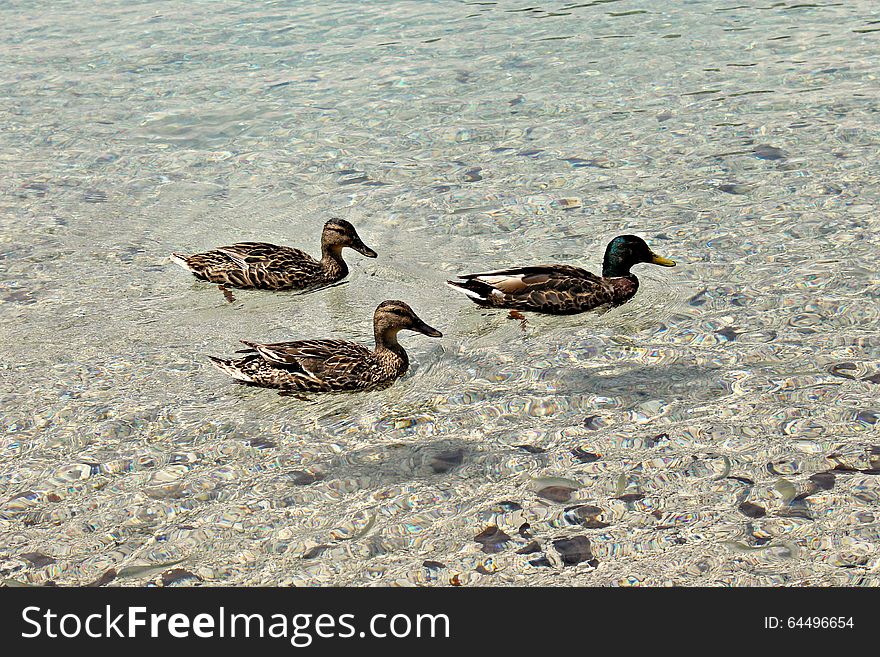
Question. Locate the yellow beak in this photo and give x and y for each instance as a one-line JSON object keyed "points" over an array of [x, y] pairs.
{"points": [[660, 260]]}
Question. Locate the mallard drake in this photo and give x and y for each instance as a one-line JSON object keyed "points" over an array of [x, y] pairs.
{"points": [[331, 365], [563, 289], [270, 267]]}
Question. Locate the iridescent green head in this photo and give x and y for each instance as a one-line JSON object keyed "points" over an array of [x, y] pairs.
{"points": [[624, 251]]}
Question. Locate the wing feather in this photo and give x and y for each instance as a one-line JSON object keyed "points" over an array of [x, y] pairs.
{"points": [[247, 255], [312, 356], [550, 271], [555, 289]]}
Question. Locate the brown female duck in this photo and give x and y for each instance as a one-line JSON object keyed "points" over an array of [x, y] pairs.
{"points": [[563, 289], [331, 365], [270, 267]]}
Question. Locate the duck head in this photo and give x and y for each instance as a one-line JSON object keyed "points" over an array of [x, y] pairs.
{"points": [[394, 316], [624, 251], [339, 233]]}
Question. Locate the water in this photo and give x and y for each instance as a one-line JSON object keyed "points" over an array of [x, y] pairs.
{"points": [[739, 139]]}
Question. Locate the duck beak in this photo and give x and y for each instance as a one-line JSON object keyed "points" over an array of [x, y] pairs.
{"points": [[363, 249], [420, 327], [660, 260]]}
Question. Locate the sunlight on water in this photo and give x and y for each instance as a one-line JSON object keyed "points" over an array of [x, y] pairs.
{"points": [[687, 437]]}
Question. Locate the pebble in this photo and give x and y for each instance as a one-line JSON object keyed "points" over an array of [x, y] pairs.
{"points": [[556, 493], [106, 578], [584, 456], [492, 539], [530, 548], [766, 152], [566, 203], [575, 550], [304, 478], [445, 461], [585, 515], [37, 559], [178, 575], [316, 551], [751, 510], [824, 480], [868, 417], [473, 175]]}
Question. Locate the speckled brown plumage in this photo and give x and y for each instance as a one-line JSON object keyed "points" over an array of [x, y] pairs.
{"points": [[265, 266], [563, 289], [331, 365]]}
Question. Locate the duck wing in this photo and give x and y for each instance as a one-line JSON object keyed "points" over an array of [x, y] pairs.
{"points": [[248, 255], [318, 360], [558, 289], [519, 278]]}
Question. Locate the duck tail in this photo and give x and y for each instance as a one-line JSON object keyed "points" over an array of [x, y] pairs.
{"points": [[181, 260], [475, 290], [231, 368]]}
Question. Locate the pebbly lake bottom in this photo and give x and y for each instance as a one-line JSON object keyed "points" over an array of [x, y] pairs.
{"points": [[721, 429]]}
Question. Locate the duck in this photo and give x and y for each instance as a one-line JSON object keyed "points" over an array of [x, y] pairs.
{"points": [[263, 266], [331, 365], [563, 289]]}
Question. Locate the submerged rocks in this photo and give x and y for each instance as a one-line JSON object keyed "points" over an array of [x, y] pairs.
{"points": [[37, 559], [555, 489], [556, 493], [104, 579], [751, 510], [304, 477], [492, 539], [575, 550], [583, 456], [767, 152], [446, 461], [530, 548], [585, 515], [177, 576], [733, 188], [823, 480]]}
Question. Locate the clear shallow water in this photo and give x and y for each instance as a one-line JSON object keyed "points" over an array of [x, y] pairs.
{"points": [[740, 139]]}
